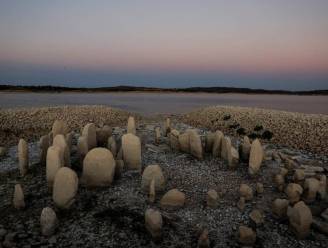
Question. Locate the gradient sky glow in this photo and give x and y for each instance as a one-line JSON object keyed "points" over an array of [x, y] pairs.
{"points": [[272, 44]]}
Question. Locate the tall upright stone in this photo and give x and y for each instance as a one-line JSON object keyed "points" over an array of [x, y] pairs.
{"points": [[48, 221], [153, 172], [300, 219], [54, 161], [65, 188], [174, 140], [167, 126], [157, 135], [233, 158], [103, 134], [131, 128], [89, 131], [209, 141], [217, 144], [184, 141], [23, 157], [255, 157], [225, 148], [98, 168], [196, 148], [18, 199], [245, 149], [60, 141], [112, 146], [82, 148], [154, 223], [43, 145], [59, 127], [131, 148]]}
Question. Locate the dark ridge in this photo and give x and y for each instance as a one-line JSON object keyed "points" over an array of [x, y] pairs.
{"points": [[122, 88]]}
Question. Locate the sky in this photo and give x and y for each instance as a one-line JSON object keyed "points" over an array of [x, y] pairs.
{"points": [[270, 44]]}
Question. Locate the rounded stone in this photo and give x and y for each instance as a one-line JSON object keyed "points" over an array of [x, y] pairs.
{"points": [[255, 157], [60, 141], [245, 148], [89, 131], [131, 149], [184, 142], [48, 221], [196, 148], [112, 145], [294, 192], [103, 134], [174, 140], [153, 172], [246, 191], [23, 157], [82, 147], [59, 127], [173, 199], [18, 199], [217, 144], [300, 219], [154, 223], [131, 128], [225, 148], [55, 160]]}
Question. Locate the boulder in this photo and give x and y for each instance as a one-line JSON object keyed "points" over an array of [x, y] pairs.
{"points": [[294, 192], [82, 148], [48, 221], [157, 135], [65, 188], [245, 149], [18, 199], [43, 145], [131, 128], [217, 144], [119, 168], [167, 126], [153, 172], [246, 236], [246, 191], [103, 134], [173, 199], [131, 149], [279, 181], [23, 158], [174, 140], [154, 223], [299, 176], [212, 198], [255, 157], [184, 142], [259, 188], [225, 148], [196, 148], [54, 161], [203, 240], [300, 219], [60, 141], [279, 208], [283, 171], [311, 188], [98, 168], [209, 141], [59, 127], [89, 132], [233, 158], [112, 145], [256, 217], [241, 203]]}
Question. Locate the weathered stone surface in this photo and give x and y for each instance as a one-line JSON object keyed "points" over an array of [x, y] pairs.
{"points": [[131, 128], [43, 145], [233, 158], [241, 203], [279, 181], [157, 135], [112, 145], [209, 141], [212, 198], [60, 141], [131, 148], [98, 168], [59, 127], [217, 144], [283, 171], [89, 132], [246, 236], [279, 208], [294, 192], [225, 148], [103, 134], [255, 157], [174, 140], [152, 191], [196, 148], [82, 147], [300, 219], [48, 221], [173, 199], [18, 199], [257, 217], [153, 172], [299, 176], [69, 140], [65, 187], [119, 168], [245, 149], [323, 187], [259, 188], [311, 188], [154, 223], [167, 126], [246, 191], [23, 157], [55, 160], [184, 142], [203, 240]]}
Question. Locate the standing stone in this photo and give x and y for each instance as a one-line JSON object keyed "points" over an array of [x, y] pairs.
{"points": [[184, 142], [225, 148], [131, 148], [69, 140], [55, 160], [153, 172], [152, 191], [203, 240], [294, 192], [59, 127], [173, 199], [283, 171], [209, 141], [103, 134], [98, 168], [82, 148], [246, 191], [157, 135], [196, 148], [18, 199], [154, 223], [43, 145], [311, 188], [23, 157], [174, 140], [119, 154], [217, 144], [259, 188], [60, 141], [51, 138], [300, 219], [112, 146], [245, 149], [279, 208], [257, 217], [255, 157], [279, 181], [246, 236], [167, 127], [233, 158], [119, 168], [299, 176], [65, 188], [212, 198], [131, 128], [323, 187], [48, 221], [89, 132]]}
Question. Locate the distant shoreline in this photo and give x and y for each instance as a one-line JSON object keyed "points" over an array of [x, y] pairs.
{"points": [[123, 89]]}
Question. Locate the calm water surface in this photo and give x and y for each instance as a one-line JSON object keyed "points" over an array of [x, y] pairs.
{"points": [[152, 103]]}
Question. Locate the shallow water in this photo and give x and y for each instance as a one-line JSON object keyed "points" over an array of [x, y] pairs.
{"points": [[152, 103]]}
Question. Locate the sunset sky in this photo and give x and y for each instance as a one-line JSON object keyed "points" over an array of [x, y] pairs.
{"points": [[271, 44]]}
